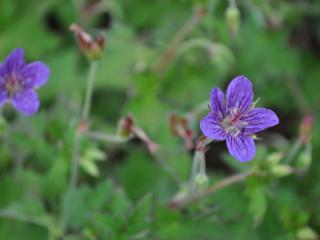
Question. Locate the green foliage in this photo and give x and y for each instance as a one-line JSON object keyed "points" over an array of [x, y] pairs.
{"points": [[123, 191]]}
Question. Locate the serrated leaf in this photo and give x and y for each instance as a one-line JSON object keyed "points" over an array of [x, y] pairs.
{"points": [[140, 218]]}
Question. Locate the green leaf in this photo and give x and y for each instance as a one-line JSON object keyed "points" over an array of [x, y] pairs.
{"points": [[258, 203], [140, 217]]}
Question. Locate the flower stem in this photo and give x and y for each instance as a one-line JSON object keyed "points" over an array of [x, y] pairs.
{"points": [[106, 137], [293, 151], [215, 187], [74, 162], [298, 95], [89, 90], [77, 142], [227, 182], [164, 59]]}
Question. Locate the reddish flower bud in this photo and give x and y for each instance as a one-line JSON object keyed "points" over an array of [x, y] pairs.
{"points": [[83, 127], [92, 48], [200, 11], [125, 126], [305, 128], [180, 127]]}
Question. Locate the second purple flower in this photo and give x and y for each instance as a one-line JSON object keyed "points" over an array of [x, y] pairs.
{"points": [[18, 81], [235, 119]]}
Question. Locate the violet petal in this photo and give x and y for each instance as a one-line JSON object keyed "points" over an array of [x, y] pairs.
{"points": [[26, 102], [241, 147], [211, 128], [3, 96], [239, 95], [217, 102], [14, 61], [259, 119], [34, 75]]}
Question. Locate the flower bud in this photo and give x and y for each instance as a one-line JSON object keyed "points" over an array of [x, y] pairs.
{"points": [[125, 126], [274, 158], [92, 48], [180, 127], [281, 170], [200, 9], [305, 128], [232, 17], [201, 182]]}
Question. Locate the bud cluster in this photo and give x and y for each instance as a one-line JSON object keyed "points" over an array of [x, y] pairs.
{"points": [[179, 127], [91, 47]]}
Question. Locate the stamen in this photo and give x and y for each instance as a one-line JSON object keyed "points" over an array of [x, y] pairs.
{"points": [[233, 126], [12, 83]]}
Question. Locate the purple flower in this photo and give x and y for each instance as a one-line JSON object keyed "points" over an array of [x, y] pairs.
{"points": [[235, 119], [19, 80]]}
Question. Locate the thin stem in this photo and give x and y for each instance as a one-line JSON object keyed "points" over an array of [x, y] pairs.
{"points": [[198, 165], [293, 151], [167, 168], [216, 187], [227, 182], [74, 162], [232, 3], [164, 59], [77, 141], [298, 95], [211, 9], [89, 90], [106, 137], [117, 139], [196, 43]]}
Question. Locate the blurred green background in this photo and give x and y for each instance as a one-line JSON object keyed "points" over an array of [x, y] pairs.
{"points": [[124, 191]]}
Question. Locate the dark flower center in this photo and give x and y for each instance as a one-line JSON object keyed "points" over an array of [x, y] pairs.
{"points": [[12, 83]]}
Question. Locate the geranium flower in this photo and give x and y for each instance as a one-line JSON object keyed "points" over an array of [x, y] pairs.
{"points": [[235, 119], [19, 80]]}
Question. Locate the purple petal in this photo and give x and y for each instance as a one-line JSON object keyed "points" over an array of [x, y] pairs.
{"points": [[26, 102], [35, 75], [239, 95], [3, 95], [241, 147], [3, 91], [2, 74], [211, 128], [15, 61], [259, 119], [217, 102]]}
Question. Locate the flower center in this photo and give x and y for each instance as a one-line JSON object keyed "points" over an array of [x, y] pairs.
{"points": [[12, 83], [232, 125]]}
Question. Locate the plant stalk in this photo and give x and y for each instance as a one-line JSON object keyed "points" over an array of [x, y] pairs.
{"points": [[77, 141]]}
